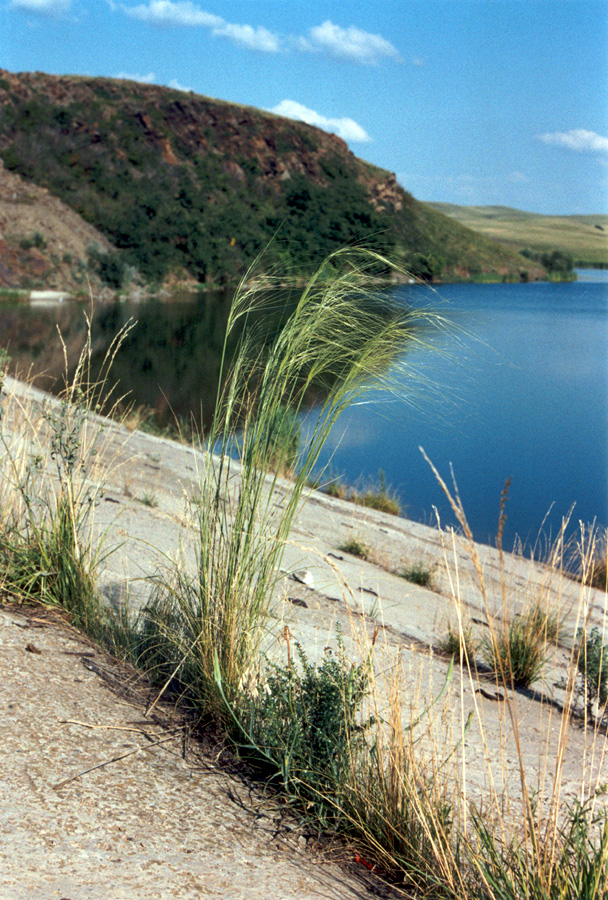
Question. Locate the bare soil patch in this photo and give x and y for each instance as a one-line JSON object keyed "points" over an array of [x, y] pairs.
{"points": [[99, 800]]}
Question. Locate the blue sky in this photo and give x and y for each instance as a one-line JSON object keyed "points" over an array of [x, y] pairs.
{"points": [[467, 101]]}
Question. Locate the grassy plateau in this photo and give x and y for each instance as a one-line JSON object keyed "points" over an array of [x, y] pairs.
{"points": [[584, 238]]}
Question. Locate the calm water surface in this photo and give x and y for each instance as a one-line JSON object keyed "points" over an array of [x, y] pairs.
{"points": [[519, 390], [521, 393]]}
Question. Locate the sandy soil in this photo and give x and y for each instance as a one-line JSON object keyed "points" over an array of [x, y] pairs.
{"points": [[99, 801]]}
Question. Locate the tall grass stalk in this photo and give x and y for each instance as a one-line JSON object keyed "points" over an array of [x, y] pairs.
{"points": [[342, 337], [51, 485], [403, 802], [530, 843]]}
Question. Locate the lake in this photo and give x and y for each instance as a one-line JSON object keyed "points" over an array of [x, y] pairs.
{"points": [[517, 388], [519, 391]]}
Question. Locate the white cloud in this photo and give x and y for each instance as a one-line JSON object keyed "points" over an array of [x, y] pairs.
{"points": [[43, 7], [150, 78], [349, 43], [577, 139], [345, 128], [179, 87], [186, 14], [250, 37], [165, 12]]}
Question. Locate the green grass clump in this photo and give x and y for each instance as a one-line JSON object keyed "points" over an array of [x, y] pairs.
{"points": [[46, 561], [568, 862], [516, 652], [356, 547], [340, 338], [379, 500], [374, 497], [417, 573], [598, 576], [458, 642], [378, 497], [47, 552], [544, 622], [337, 489]]}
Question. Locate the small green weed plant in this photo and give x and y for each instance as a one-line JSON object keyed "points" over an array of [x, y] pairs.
{"points": [[304, 724], [356, 546], [592, 664], [417, 573], [148, 498]]}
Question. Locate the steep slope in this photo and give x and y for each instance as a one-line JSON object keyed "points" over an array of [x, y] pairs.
{"points": [[44, 243], [184, 185]]}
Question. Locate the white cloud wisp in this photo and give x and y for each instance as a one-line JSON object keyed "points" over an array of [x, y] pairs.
{"points": [[350, 43], [185, 14], [43, 7], [166, 12], [577, 139], [346, 128], [150, 78]]}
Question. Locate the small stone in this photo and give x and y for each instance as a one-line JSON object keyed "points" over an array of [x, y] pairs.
{"points": [[304, 577]]}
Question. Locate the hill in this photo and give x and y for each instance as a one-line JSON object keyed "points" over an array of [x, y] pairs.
{"points": [[584, 238], [187, 187]]}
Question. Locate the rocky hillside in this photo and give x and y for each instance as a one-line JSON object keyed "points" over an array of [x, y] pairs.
{"points": [[44, 243], [186, 187]]}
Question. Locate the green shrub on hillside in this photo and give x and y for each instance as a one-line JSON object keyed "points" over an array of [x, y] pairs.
{"points": [[195, 218], [181, 185]]}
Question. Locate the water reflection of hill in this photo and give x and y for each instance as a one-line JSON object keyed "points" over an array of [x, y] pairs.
{"points": [[169, 362], [30, 336]]}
